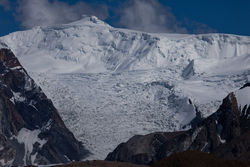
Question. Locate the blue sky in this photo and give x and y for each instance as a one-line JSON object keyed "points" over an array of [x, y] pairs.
{"points": [[170, 16]]}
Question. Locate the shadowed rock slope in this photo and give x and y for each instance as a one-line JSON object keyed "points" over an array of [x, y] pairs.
{"points": [[31, 130], [225, 134], [198, 159]]}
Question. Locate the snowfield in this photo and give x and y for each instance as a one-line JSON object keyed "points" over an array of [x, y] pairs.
{"points": [[110, 84], [243, 97]]}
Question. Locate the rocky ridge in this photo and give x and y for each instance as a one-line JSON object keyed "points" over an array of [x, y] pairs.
{"points": [[31, 130], [225, 134]]}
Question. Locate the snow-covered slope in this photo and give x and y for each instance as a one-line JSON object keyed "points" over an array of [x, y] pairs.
{"points": [[90, 45], [243, 97], [110, 84]]}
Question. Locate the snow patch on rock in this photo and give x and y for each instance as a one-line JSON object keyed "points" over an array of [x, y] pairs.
{"points": [[6, 164], [17, 97], [29, 138]]}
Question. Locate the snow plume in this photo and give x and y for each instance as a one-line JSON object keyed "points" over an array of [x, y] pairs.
{"points": [[5, 4], [149, 16], [45, 12]]}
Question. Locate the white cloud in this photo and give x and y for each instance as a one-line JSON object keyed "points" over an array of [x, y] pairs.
{"points": [[44, 12], [5, 4], [143, 15], [150, 16]]}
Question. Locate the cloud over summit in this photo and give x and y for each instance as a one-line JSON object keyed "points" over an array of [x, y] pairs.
{"points": [[142, 15], [150, 16], [44, 12]]}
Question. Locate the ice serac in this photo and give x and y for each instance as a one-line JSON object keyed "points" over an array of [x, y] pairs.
{"points": [[31, 130], [225, 134]]}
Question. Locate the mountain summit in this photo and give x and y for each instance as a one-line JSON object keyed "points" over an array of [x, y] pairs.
{"points": [[90, 45]]}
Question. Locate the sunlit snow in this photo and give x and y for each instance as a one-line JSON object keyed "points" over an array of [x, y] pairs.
{"points": [[110, 84], [243, 97]]}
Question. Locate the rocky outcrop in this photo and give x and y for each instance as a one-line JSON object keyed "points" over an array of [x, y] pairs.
{"points": [[31, 130], [188, 71], [225, 134]]}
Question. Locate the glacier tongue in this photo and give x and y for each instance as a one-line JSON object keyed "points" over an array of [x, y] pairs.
{"points": [[110, 84]]}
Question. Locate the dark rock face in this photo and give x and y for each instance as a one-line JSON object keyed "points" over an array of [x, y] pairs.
{"points": [[198, 159], [225, 134], [31, 130], [246, 85]]}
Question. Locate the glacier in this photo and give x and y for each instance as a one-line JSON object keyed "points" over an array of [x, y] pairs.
{"points": [[110, 83]]}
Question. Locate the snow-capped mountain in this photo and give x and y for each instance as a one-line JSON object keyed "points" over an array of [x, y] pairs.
{"points": [[91, 45], [110, 84], [32, 132]]}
